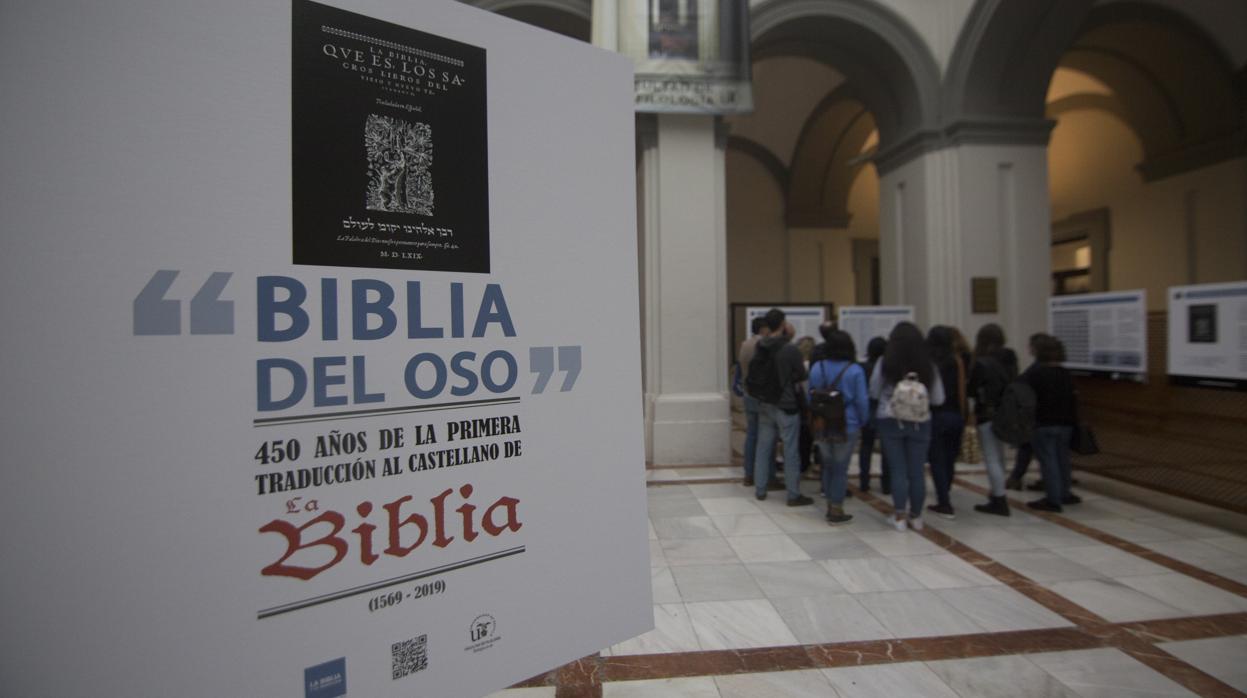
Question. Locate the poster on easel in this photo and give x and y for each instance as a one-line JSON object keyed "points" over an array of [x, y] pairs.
{"points": [[295, 405], [865, 322]]}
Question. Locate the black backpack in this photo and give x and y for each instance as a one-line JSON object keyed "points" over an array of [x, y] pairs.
{"points": [[991, 389], [763, 382], [1014, 422], [827, 404]]}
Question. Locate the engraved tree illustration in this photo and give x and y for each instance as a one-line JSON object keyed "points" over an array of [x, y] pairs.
{"points": [[399, 157]]}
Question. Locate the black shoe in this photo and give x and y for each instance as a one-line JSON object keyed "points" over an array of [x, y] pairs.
{"points": [[1044, 505], [1037, 486], [1071, 499], [995, 505], [760, 497], [944, 510], [864, 489], [774, 486], [1013, 484], [848, 493], [836, 515], [748, 482], [800, 501]]}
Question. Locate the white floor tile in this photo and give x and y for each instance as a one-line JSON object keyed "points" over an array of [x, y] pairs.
{"points": [[894, 543], [722, 625], [1044, 566], [663, 584], [535, 692], [1113, 601], [745, 525], [870, 574], [730, 505], [673, 632], [1222, 657], [775, 684], [944, 571], [917, 614], [829, 618], [779, 548], [715, 583], [697, 687], [1107, 673], [698, 551], [1001, 609], [1186, 593], [995, 677], [787, 579], [888, 681], [1109, 561], [684, 527], [1198, 553]]}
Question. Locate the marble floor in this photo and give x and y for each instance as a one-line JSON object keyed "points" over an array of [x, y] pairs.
{"points": [[755, 598]]}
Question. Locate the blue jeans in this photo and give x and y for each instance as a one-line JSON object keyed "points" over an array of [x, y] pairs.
{"points": [[865, 451], [836, 457], [905, 446], [1023, 462], [946, 429], [1052, 447], [993, 458], [773, 421], [751, 434]]}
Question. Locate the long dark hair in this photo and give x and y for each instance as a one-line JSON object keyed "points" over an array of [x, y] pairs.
{"points": [[940, 344], [989, 340], [907, 353]]}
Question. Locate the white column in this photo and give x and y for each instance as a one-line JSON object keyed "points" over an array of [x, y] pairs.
{"points": [[962, 212], [688, 418]]}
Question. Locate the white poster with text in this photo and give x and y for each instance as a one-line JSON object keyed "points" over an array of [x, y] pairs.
{"points": [[1208, 334], [1104, 332]]}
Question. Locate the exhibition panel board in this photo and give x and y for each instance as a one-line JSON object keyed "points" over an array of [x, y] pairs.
{"points": [[1208, 335], [805, 319], [1102, 332], [865, 322], [295, 402]]}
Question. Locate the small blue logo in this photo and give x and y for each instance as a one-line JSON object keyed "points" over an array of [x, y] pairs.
{"points": [[326, 680]]}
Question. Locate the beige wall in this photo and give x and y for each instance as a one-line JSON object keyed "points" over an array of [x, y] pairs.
{"points": [[1189, 228], [756, 238]]}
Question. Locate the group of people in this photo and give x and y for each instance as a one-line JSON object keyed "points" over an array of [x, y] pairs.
{"points": [[916, 396]]}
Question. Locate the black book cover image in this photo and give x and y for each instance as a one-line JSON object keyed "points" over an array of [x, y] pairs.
{"points": [[1202, 324], [390, 162]]}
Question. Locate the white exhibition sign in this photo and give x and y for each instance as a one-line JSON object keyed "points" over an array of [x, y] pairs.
{"points": [[1102, 331], [1208, 334], [295, 401], [865, 322], [804, 318]]}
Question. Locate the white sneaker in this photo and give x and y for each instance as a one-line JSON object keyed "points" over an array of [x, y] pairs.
{"points": [[899, 523], [916, 523]]}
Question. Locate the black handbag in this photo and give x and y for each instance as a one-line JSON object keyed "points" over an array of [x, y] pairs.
{"points": [[1083, 441]]}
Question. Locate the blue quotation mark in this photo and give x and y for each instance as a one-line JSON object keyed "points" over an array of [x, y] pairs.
{"points": [[154, 314], [541, 362]]}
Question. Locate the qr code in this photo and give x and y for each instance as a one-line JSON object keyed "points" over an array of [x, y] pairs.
{"points": [[410, 656]]}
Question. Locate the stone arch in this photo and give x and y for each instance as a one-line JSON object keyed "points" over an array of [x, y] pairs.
{"points": [[826, 160], [572, 18], [1175, 85], [998, 74], [880, 54], [764, 157]]}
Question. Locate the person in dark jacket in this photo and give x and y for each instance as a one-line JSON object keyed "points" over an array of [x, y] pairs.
{"points": [[947, 420], [874, 352], [995, 366], [1056, 413], [783, 417]]}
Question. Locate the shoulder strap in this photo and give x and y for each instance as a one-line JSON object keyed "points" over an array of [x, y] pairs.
{"points": [[836, 382]]}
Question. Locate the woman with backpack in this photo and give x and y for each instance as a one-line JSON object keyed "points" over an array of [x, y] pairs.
{"points": [[995, 366], [906, 384], [948, 421], [1056, 413], [837, 381]]}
